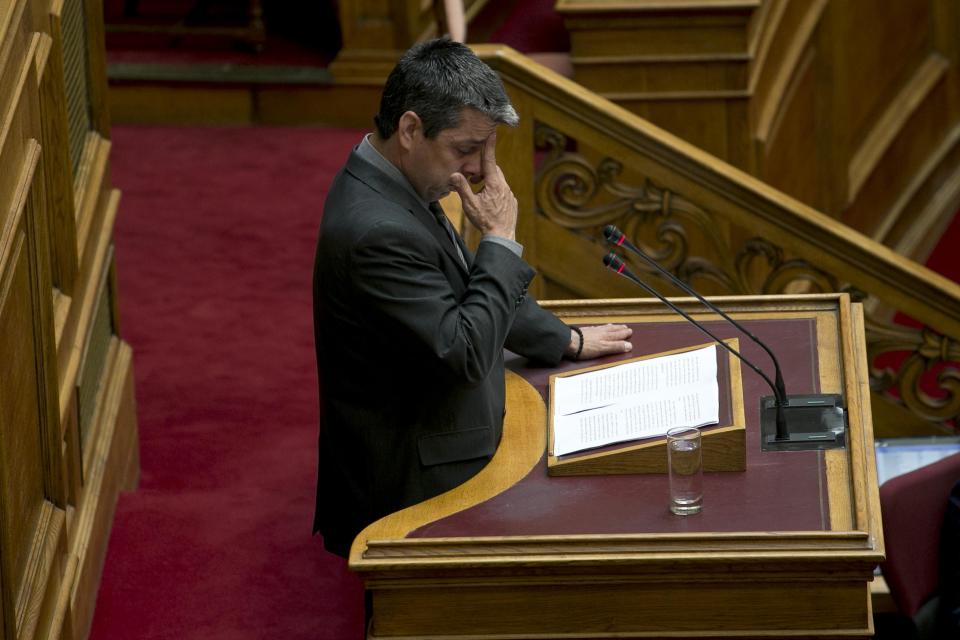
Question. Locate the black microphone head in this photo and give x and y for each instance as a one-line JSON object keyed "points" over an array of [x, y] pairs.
{"points": [[612, 261], [611, 233]]}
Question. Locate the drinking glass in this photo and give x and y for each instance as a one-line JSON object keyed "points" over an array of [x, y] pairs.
{"points": [[685, 466]]}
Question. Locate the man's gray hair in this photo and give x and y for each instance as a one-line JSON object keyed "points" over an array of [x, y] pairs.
{"points": [[436, 79]]}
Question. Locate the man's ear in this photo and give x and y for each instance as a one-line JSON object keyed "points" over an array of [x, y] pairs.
{"points": [[409, 129]]}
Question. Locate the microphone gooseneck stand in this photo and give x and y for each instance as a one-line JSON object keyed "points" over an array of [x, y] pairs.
{"points": [[794, 423]]}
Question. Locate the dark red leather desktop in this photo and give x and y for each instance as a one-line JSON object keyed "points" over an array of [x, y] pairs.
{"points": [[779, 491]]}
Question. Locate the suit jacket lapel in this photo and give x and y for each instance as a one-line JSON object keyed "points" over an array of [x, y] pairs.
{"points": [[389, 189], [467, 254]]}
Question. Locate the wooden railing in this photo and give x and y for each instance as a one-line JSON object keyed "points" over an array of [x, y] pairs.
{"points": [[578, 162]]}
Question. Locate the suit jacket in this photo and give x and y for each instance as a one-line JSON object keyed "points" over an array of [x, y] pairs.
{"points": [[410, 351]]}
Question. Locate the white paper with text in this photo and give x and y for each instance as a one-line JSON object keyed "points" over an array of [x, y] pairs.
{"points": [[639, 399]]}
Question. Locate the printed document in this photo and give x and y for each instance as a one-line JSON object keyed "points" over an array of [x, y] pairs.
{"points": [[639, 399]]}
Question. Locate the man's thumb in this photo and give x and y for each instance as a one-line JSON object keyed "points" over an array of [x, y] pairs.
{"points": [[459, 182]]}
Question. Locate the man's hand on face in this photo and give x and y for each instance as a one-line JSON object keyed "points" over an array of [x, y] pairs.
{"points": [[493, 209], [599, 341]]}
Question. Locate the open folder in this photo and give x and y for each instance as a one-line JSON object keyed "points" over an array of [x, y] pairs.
{"points": [[636, 399]]}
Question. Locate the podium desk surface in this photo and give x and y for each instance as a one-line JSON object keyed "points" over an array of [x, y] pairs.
{"points": [[779, 491]]}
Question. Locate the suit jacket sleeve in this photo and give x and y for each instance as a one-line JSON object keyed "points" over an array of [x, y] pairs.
{"points": [[395, 269], [538, 334]]}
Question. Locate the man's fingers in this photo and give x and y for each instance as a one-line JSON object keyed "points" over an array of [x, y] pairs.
{"points": [[595, 349], [614, 346], [460, 183], [617, 331], [489, 156], [605, 339], [609, 331]]}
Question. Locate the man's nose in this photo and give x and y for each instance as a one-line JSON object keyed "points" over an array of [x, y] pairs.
{"points": [[473, 167]]}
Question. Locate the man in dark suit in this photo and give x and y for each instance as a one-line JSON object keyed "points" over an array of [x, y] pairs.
{"points": [[410, 325]]}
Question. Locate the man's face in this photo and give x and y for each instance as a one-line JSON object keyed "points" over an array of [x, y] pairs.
{"points": [[429, 163]]}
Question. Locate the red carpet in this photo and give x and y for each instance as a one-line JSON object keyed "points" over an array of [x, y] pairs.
{"points": [[214, 247]]}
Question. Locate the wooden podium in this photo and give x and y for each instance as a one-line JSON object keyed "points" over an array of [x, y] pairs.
{"points": [[786, 548]]}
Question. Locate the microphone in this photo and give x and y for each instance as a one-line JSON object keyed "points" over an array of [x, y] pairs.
{"points": [[799, 422]]}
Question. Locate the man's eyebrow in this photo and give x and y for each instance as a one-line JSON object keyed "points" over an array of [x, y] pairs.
{"points": [[466, 139]]}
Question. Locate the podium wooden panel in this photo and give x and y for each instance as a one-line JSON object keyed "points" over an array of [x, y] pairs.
{"points": [[785, 549]]}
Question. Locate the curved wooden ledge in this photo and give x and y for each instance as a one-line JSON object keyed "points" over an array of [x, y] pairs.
{"points": [[521, 447]]}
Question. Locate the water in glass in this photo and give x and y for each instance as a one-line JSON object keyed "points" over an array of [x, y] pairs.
{"points": [[686, 474]]}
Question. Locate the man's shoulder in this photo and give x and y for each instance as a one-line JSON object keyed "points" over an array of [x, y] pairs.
{"points": [[360, 184], [351, 182], [356, 215], [354, 205]]}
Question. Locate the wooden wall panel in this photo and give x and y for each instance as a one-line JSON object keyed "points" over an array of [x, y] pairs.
{"points": [[376, 32], [783, 38], [870, 65], [56, 227], [56, 160], [16, 49], [869, 151], [628, 78], [96, 67], [911, 141], [916, 221], [703, 121], [882, 102], [846, 101], [111, 466], [622, 35], [796, 173], [21, 479], [685, 66], [31, 480], [882, 86]]}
